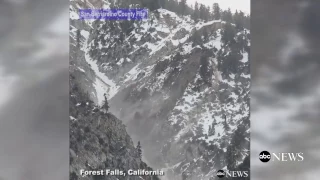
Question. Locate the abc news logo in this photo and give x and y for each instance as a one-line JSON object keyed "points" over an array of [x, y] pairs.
{"points": [[222, 173], [265, 156]]}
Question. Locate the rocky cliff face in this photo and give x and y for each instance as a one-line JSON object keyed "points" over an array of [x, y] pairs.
{"points": [[98, 140], [180, 86]]}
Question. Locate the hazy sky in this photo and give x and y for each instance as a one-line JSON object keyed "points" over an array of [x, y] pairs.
{"points": [[243, 5]]}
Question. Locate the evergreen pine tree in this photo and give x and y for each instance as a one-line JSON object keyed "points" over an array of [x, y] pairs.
{"points": [[202, 12], [183, 7], [105, 105], [228, 34], [230, 157], [205, 36], [239, 20], [229, 16], [225, 124], [242, 17], [199, 130], [78, 35], [196, 12], [212, 130], [246, 22], [207, 13], [236, 13], [196, 39], [241, 43], [236, 18], [139, 150], [234, 149], [216, 11], [173, 5], [163, 3], [204, 61], [239, 137]]}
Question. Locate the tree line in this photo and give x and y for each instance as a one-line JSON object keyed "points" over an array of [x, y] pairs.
{"points": [[197, 11]]}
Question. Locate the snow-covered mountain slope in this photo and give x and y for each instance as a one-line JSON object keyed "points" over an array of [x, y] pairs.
{"points": [[180, 86]]}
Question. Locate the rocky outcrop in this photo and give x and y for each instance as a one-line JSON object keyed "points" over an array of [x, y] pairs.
{"points": [[99, 141]]}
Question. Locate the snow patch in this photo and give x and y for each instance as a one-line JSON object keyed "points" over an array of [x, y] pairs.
{"points": [[72, 118], [248, 76], [74, 15], [101, 89], [132, 74], [245, 58], [101, 79], [85, 34], [81, 69]]}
